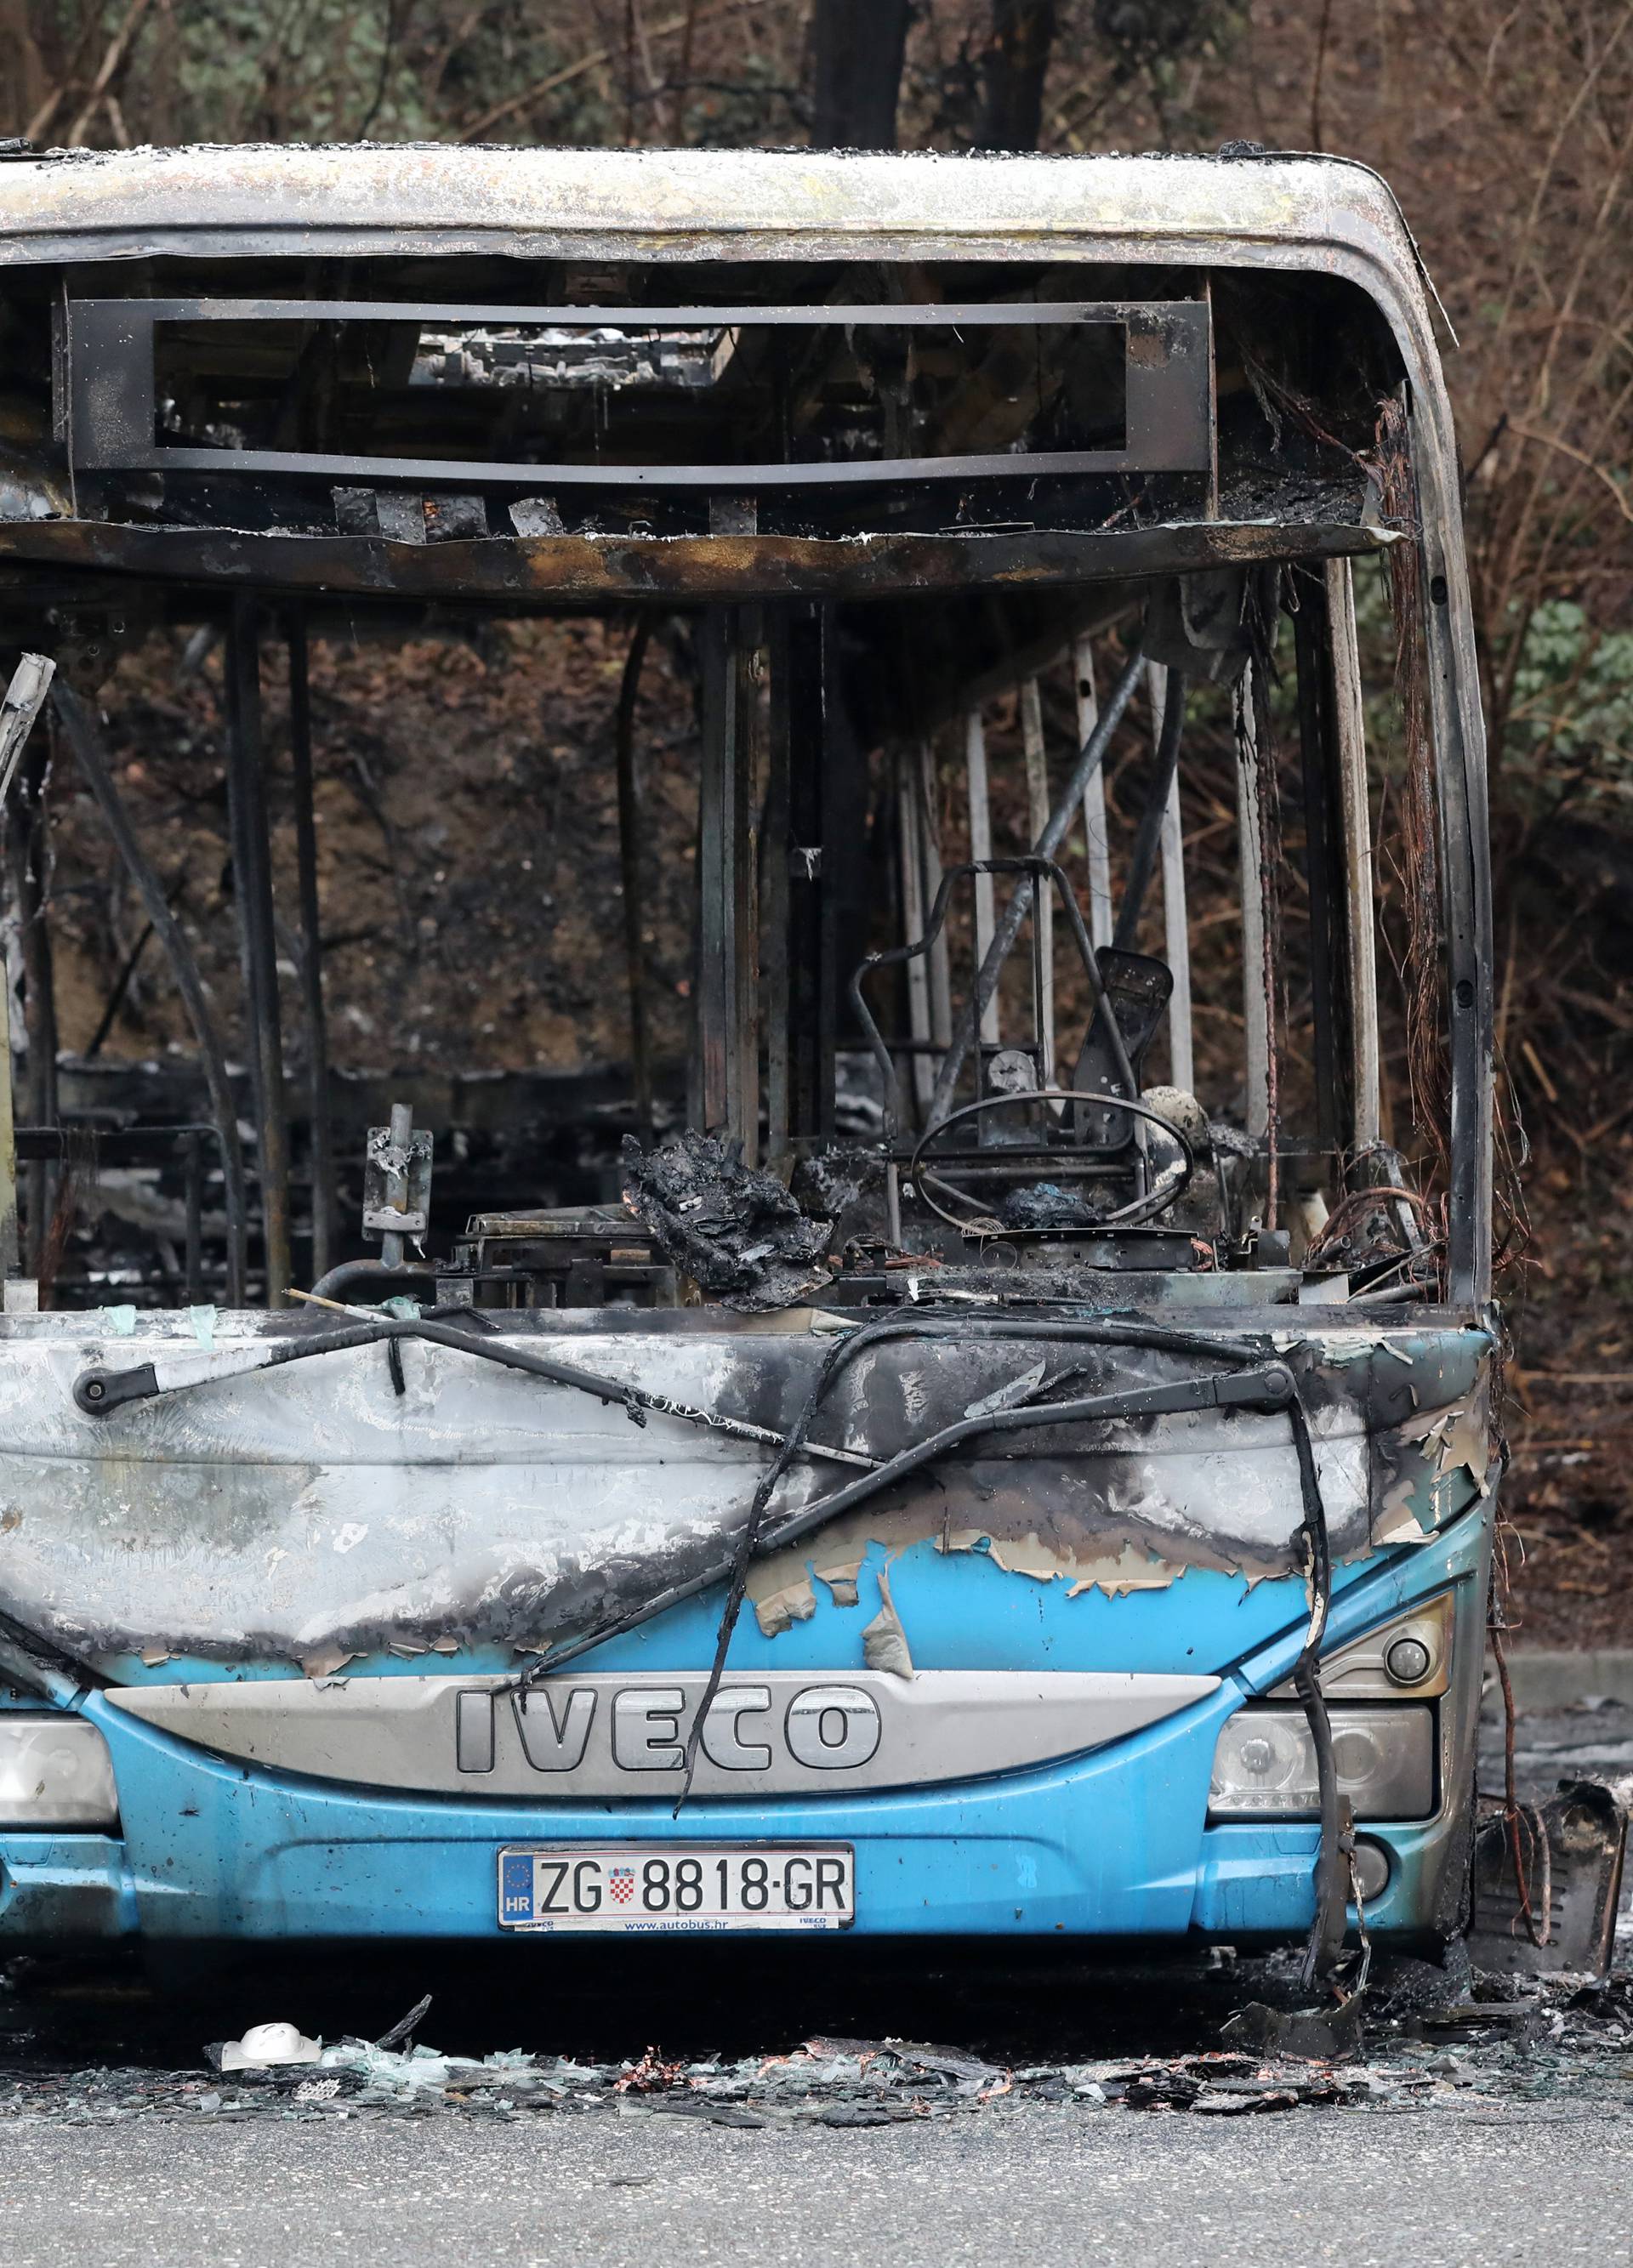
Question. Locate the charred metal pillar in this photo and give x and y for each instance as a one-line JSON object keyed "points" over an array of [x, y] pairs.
{"points": [[813, 977], [980, 851], [1257, 1002], [321, 1136], [1324, 854], [28, 853], [8, 1146], [1043, 910], [1349, 748], [727, 1005], [252, 875], [20, 708], [1097, 842], [775, 967], [630, 868]]}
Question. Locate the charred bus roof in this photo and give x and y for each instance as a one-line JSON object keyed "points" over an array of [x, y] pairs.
{"points": [[549, 377], [1298, 213]]}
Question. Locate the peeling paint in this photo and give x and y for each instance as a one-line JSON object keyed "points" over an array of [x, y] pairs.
{"points": [[777, 1609], [840, 1575], [884, 1641], [325, 1661]]}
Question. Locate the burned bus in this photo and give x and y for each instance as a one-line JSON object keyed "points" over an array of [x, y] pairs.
{"points": [[998, 1441]]}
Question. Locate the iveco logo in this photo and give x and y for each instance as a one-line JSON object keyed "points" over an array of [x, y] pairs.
{"points": [[602, 1738], [644, 1728]]}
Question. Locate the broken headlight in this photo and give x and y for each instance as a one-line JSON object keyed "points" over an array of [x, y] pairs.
{"points": [[55, 1771], [1265, 1766]]}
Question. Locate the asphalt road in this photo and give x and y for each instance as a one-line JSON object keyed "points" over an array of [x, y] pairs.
{"points": [[1037, 2185]]}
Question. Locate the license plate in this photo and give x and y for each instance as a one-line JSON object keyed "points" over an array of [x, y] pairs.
{"points": [[696, 1886]]}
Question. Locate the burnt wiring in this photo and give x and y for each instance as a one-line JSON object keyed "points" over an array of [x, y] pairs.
{"points": [[1154, 1337], [748, 1544], [1355, 1208], [1363, 1935], [1514, 1813], [1268, 1387], [1275, 1387], [1419, 1224], [1272, 1387], [1130, 1402], [1335, 1848]]}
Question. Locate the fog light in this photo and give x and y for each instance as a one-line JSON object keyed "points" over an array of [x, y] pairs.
{"points": [[1409, 1661], [55, 1771], [1265, 1766], [1371, 1871]]}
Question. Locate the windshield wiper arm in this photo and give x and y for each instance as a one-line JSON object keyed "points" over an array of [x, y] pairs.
{"points": [[99, 1392]]}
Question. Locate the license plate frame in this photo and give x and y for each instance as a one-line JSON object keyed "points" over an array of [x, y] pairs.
{"points": [[547, 1889]]}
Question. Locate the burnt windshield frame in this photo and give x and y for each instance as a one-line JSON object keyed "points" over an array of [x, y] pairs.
{"points": [[108, 405]]}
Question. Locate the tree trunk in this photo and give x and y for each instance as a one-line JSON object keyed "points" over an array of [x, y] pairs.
{"points": [[1017, 56], [857, 51], [23, 79]]}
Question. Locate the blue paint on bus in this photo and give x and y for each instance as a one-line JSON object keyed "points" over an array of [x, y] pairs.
{"points": [[1112, 1843]]}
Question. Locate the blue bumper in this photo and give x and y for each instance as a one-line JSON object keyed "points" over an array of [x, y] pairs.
{"points": [[1112, 1843]]}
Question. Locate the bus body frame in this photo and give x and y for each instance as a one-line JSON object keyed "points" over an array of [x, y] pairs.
{"points": [[319, 1724]]}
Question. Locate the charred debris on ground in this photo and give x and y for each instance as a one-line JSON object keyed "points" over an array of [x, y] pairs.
{"points": [[1428, 2046]]}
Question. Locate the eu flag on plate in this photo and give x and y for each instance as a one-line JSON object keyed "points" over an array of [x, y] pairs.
{"points": [[516, 1886]]}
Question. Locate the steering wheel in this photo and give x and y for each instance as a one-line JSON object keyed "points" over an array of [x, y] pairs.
{"points": [[1169, 1185]]}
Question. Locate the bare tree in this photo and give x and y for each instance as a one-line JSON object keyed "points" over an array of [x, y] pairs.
{"points": [[23, 74], [857, 47], [1016, 63]]}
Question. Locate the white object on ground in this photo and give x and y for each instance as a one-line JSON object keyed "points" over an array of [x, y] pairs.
{"points": [[264, 2045]]}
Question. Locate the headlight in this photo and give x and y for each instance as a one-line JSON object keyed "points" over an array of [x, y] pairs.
{"points": [[1406, 1659], [55, 1771], [1265, 1766]]}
